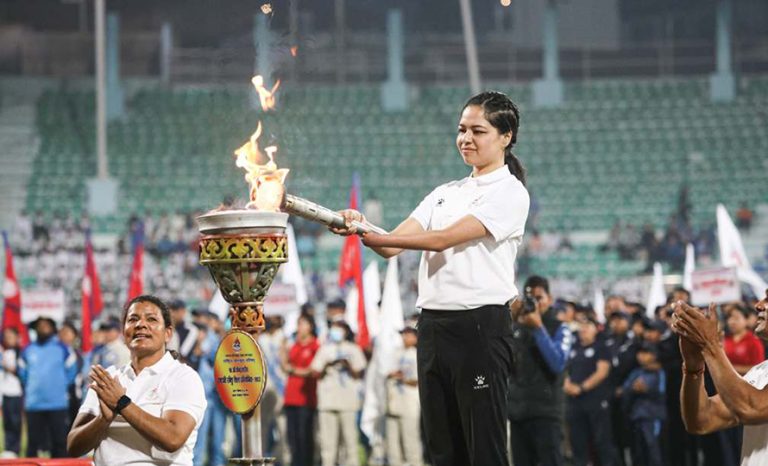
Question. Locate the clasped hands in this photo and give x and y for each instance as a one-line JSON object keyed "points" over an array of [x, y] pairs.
{"points": [[698, 332], [108, 390]]}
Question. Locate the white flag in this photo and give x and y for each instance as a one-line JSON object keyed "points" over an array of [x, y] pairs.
{"points": [[599, 303], [350, 313], [291, 274], [656, 295], [732, 252], [690, 266], [372, 292], [291, 271], [386, 345], [218, 305]]}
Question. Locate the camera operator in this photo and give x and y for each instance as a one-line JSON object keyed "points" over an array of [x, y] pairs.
{"points": [[536, 399]]}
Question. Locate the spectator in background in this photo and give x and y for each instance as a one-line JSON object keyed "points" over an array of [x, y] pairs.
{"points": [[210, 441], [68, 336], [338, 367], [541, 343], [644, 394], [273, 344], [742, 347], [335, 310], [744, 217], [622, 346], [184, 336], [46, 368], [403, 428], [588, 391], [11, 392], [114, 352], [301, 392], [613, 238], [679, 446]]}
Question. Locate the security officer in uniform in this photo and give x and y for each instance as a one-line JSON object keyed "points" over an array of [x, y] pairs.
{"points": [[536, 400], [623, 346], [588, 390]]}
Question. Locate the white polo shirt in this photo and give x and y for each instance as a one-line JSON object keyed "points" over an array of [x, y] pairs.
{"points": [[166, 385], [754, 446], [482, 271]]}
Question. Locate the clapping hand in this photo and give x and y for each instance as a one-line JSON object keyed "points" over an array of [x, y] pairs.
{"points": [[698, 328], [107, 388]]}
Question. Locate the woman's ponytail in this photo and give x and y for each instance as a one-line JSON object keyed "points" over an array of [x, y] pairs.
{"points": [[514, 165]]}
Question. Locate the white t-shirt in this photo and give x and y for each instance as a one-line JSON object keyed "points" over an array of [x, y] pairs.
{"points": [[754, 446], [337, 390], [166, 385], [482, 271], [11, 386]]}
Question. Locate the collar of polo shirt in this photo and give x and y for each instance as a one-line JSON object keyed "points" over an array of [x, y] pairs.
{"points": [[488, 178], [156, 368]]}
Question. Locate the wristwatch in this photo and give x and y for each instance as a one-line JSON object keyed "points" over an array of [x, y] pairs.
{"points": [[122, 403]]}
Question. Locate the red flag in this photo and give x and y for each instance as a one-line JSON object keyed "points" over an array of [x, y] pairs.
{"points": [[351, 269], [12, 297], [91, 295], [136, 285]]}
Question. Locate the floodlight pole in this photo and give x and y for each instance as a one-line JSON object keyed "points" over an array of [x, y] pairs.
{"points": [[470, 45], [101, 91]]}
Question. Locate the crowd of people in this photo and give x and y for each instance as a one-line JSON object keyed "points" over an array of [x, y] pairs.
{"points": [[588, 386]]}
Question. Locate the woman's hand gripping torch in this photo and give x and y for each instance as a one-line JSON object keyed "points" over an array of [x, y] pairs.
{"points": [[316, 213]]}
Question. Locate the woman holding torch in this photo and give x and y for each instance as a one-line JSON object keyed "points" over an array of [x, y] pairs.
{"points": [[469, 231]]}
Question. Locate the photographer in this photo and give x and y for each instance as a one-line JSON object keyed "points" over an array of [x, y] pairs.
{"points": [[536, 401]]}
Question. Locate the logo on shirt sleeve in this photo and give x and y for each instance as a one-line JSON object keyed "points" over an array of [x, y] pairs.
{"points": [[440, 202]]}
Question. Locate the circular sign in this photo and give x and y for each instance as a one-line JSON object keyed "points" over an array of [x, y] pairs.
{"points": [[240, 372]]}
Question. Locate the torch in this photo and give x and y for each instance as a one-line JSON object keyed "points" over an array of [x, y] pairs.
{"points": [[316, 213], [243, 249]]}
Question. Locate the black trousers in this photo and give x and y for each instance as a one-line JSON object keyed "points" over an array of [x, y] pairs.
{"points": [[537, 442], [300, 430], [13, 406], [647, 446], [44, 426], [590, 424], [464, 361]]}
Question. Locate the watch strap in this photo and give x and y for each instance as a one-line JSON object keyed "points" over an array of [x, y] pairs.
{"points": [[122, 403]]}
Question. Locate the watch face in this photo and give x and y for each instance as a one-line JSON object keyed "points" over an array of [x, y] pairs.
{"points": [[123, 402]]}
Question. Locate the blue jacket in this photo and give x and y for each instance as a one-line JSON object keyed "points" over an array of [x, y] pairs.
{"points": [[46, 370], [650, 405]]}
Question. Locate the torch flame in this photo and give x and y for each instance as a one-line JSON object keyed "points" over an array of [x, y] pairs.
{"points": [[294, 50], [266, 180]]}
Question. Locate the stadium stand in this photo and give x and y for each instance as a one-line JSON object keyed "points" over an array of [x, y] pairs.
{"points": [[616, 149]]}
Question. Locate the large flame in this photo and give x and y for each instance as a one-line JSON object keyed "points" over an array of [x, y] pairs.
{"points": [[266, 180]]}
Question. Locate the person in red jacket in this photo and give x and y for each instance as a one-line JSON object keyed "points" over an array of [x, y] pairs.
{"points": [[301, 392], [742, 347]]}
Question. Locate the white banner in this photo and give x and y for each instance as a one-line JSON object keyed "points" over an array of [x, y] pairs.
{"points": [[39, 302], [280, 300], [718, 285]]}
